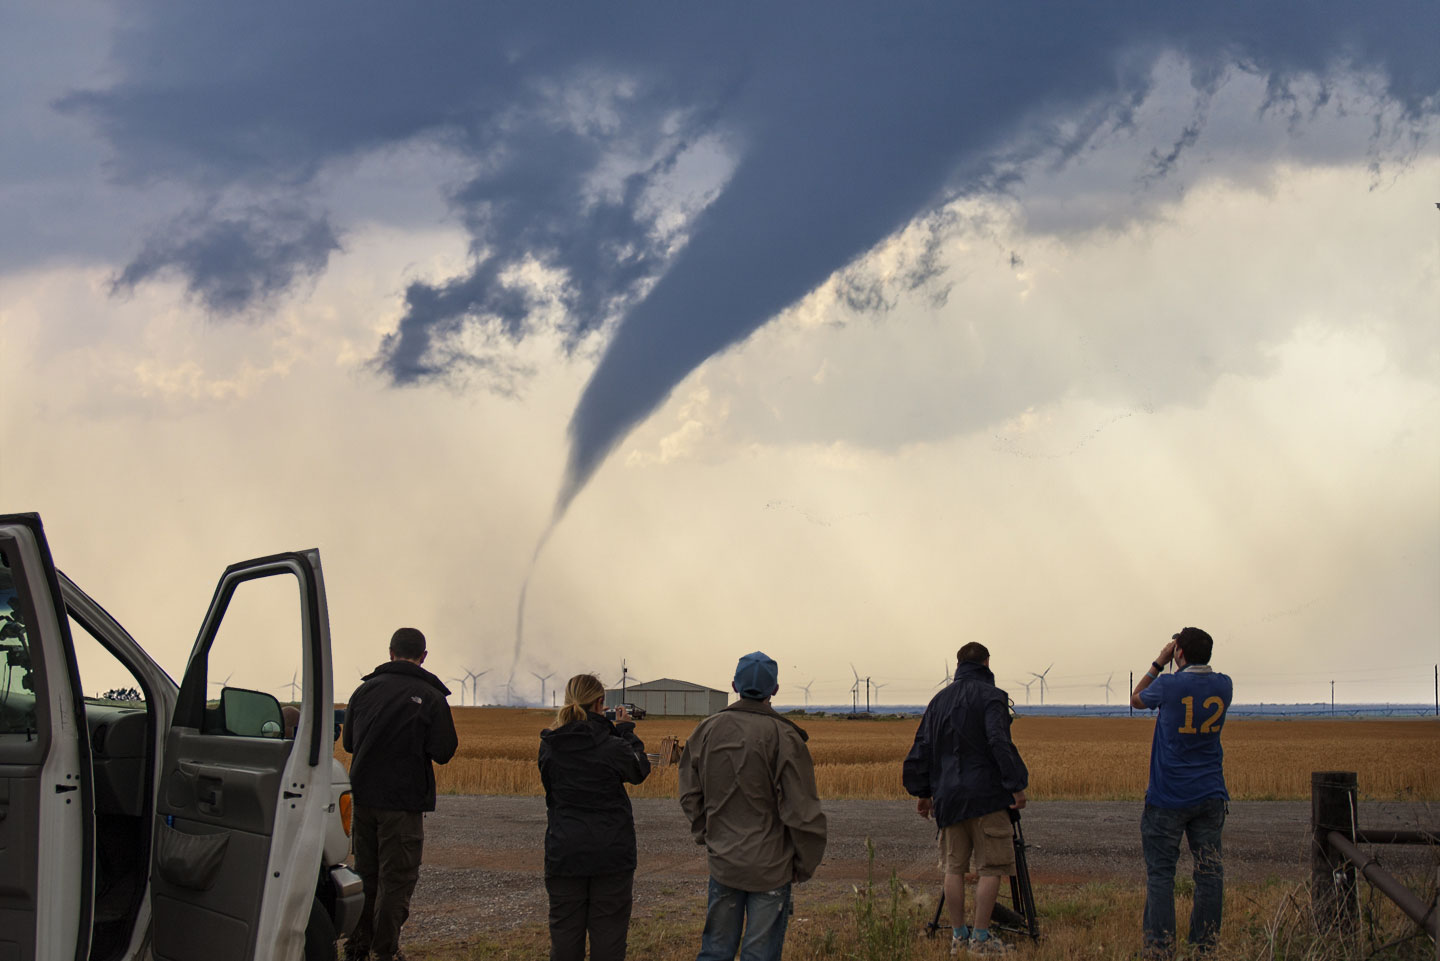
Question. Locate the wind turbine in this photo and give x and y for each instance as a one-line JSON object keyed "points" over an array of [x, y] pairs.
{"points": [[1108, 689], [461, 682], [855, 690], [624, 679], [542, 685], [474, 685], [877, 685], [806, 688], [948, 677], [1026, 685], [225, 683], [1041, 678]]}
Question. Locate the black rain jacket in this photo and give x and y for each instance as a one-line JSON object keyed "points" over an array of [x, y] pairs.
{"points": [[584, 766], [396, 724], [963, 758]]}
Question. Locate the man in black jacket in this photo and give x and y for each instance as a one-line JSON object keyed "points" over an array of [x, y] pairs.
{"points": [[396, 724], [966, 772]]}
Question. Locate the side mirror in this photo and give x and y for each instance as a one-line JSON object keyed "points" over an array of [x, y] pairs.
{"points": [[251, 713]]}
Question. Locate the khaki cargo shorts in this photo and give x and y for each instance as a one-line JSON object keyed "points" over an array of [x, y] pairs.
{"points": [[988, 838]]}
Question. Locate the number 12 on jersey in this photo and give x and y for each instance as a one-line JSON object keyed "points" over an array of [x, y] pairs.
{"points": [[1209, 723]]}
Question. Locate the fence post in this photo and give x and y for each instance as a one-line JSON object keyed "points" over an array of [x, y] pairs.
{"points": [[1333, 896]]}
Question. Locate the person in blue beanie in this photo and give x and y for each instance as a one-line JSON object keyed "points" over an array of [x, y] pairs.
{"points": [[747, 784]]}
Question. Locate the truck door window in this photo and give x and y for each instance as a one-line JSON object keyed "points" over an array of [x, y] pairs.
{"points": [[104, 678], [257, 655], [17, 671]]}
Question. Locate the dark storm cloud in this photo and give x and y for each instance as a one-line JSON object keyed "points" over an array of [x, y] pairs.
{"points": [[234, 262], [845, 121]]}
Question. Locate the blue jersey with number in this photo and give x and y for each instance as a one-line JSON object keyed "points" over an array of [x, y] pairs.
{"points": [[1186, 760]]}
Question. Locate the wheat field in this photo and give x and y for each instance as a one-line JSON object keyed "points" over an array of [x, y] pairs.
{"points": [[1070, 758]]}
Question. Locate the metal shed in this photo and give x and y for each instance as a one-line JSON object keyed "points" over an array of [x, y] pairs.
{"points": [[669, 696]]}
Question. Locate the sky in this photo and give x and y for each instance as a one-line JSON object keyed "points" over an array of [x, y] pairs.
{"points": [[845, 332]]}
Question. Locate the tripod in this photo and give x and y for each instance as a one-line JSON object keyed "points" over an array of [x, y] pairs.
{"points": [[1019, 917]]}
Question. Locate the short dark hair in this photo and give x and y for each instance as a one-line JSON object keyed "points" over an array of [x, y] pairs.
{"points": [[407, 643], [973, 653], [1196, 644]]}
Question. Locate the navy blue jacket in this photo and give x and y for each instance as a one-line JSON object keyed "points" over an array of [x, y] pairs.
{"points": [[589, 827], [963, 758]]}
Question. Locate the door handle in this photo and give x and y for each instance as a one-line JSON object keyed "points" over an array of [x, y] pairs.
{"points": [[64, 788]]}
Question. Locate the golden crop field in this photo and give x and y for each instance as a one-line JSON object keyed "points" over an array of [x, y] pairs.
{"points": [[1080, 758]]}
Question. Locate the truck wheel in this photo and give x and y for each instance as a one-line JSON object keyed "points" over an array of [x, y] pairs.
{"points": [[319, 934]]}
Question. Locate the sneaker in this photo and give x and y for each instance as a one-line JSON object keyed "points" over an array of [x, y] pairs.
{"points": [[959, 939], [989, 946]]}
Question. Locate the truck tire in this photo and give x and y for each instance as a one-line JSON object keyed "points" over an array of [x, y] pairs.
{"points": [[319, 934]]}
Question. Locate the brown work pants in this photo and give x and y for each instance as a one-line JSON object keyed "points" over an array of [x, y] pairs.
{"points": [[388, 845]]}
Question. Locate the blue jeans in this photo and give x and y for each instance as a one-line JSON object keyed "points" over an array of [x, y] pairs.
{"points": [[762, 914], [1160, 831]]}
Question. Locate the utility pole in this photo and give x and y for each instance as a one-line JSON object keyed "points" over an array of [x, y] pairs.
{"points": [[1437, 690], [867, 693], [1332, 698]]}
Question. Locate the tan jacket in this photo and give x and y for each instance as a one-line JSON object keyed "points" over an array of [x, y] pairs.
{"points": [[747, 784]]}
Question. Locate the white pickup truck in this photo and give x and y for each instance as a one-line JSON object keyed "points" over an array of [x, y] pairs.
{"points": [[180, 826]]}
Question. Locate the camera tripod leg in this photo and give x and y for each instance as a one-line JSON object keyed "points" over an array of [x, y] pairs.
{"points": [[1022, 895], [934, 926]]}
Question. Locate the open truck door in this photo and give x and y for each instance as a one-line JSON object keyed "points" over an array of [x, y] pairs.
{"points": [[47, 834], [241, 812]]}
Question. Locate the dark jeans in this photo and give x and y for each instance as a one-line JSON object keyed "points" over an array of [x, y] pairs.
{"points": [[1160, 831], [388, 846], [597, 905], [763, 915]]}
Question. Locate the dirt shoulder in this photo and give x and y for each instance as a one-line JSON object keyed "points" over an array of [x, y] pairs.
{"points": [[483, 867]]}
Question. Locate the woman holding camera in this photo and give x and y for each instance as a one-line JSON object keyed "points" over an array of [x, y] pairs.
{"points": [[585, 762]]}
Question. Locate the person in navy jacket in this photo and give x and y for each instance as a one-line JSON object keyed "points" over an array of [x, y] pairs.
{"points": [[1186, 795], [968, 775]]}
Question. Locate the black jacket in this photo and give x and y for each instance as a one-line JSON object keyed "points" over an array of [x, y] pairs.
{"points": [[584, 766], [963, 757], [397, 722]]}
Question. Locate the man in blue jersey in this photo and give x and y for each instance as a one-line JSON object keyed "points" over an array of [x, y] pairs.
{"points": [[1187, 793]]}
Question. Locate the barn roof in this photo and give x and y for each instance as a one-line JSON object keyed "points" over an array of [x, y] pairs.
{"points": [[669, 684]]}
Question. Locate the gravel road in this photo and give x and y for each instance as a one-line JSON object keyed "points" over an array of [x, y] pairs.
{"points": [[483, 854]]}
